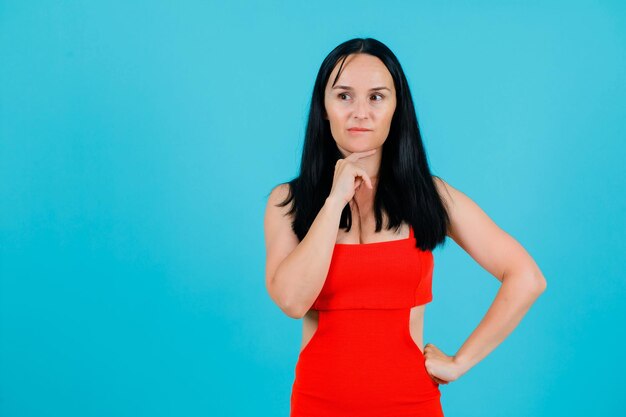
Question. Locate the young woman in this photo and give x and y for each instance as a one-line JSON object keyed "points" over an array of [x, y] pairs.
{"points": [[362, 288]]}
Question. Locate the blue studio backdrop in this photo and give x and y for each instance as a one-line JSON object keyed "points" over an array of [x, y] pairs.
{"points": [[139, 141]]}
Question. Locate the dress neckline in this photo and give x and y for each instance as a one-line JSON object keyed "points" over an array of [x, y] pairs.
{"points": [[384, 242]]}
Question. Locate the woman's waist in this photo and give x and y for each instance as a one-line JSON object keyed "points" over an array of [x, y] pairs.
{"points": [[369, 331]]}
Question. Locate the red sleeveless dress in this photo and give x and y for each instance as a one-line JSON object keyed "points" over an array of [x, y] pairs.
{"points": [[362, 360]]}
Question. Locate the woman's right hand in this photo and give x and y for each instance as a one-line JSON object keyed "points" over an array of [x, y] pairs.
{"points": [[349, 175]]}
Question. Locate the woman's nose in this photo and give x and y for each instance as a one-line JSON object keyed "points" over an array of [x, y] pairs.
{"points": [[360, 109]]}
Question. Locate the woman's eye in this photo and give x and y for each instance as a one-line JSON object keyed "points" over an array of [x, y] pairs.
{"points": [[344, 96]]}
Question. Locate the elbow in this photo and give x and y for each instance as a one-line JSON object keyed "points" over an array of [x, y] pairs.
{"points": [[292, 307], [292, 310], [540, 283], [286, 303], [533, 283]]}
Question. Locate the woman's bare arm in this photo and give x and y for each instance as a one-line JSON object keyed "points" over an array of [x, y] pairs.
{"points": [[502, 256], [295, 271]]}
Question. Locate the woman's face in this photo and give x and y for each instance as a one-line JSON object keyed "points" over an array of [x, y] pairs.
{"points": [[363, 97]]}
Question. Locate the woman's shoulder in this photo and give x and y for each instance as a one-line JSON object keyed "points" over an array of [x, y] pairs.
{"points": [[443, 188], [280, 192]]}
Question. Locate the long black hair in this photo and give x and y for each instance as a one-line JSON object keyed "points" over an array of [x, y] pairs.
{"points": [[406, 190]]}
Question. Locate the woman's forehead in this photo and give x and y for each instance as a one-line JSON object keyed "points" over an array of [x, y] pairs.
{"points": [[362, 71]]}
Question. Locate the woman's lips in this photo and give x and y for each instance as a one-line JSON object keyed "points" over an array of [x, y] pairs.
{"points": [[358, 130]]}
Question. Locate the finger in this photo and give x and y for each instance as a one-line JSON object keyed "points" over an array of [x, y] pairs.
{"points": [[429, 347], [437, 380], [366, 178], [354, 156]]}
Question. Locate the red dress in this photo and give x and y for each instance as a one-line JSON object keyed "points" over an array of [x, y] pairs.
{"points": [[362, 360]]}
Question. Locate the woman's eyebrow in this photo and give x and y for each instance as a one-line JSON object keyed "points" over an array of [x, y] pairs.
{"points": [[346, 87]]}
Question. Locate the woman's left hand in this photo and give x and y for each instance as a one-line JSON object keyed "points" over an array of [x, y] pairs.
{"points": [[441, 367]]}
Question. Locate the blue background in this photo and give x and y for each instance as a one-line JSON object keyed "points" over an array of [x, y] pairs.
{"points": [[139, 141]]}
